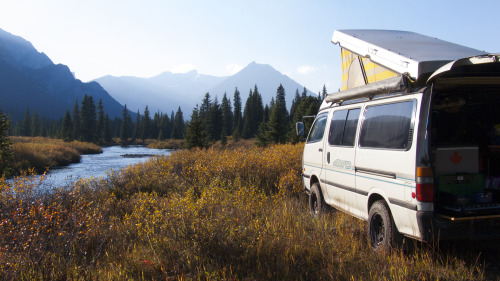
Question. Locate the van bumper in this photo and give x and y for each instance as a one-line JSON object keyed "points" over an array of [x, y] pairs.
{"points": [[435, 227]]}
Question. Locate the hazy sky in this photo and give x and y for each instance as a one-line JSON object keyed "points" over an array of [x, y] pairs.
{"points": [[144, 38]]}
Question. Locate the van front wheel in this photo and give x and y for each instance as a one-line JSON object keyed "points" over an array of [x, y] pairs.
{"points": [[317, 205], [381, 229]]}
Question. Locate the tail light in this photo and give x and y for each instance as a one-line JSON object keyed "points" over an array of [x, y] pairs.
{"points": [[425, 184]]}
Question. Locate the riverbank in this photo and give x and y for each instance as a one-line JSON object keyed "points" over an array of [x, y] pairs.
{"points": [[37, 154], [213, 214]]}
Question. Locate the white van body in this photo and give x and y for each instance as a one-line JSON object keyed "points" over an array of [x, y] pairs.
{"points": [[417, 154]]}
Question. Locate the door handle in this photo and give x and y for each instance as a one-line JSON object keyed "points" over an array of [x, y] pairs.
{"points": [[328, 157], [320, 150]]}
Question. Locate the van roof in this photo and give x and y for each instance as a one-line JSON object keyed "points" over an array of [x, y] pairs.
{"points": [[402, 51]]}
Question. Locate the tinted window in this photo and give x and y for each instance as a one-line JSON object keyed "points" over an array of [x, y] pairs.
{"points": [[387, 126], [343, 127], [337, 127], [318, 128], [350, 127]]}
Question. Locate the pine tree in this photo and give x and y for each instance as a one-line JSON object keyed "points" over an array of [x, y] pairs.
{"points": [[247, 116], [178, 128], [35, 125], [137, 126], [17, 129], [88, 121], [43, 127], [10, 131], [164, 127], [227, 114], [253, 114], [107, 132], [278, 120], [237, 115], [308, 106], [262, 135], [156, 126], [223, 137], [100, 121], [76, 122], [171, 124], [125, 130], [215, 120], [26, 126], [204, 113], [146, 124], [67, 127], [196, 132], [206, 104], [295, 104], [267, 111]]}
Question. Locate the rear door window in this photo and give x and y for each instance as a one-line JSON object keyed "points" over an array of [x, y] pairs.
{"points": [[388, 126]]}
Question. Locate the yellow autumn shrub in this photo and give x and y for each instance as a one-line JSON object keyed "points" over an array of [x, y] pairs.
{"points": [[213, 214]]}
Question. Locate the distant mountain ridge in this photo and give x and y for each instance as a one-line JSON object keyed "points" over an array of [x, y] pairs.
{"points": [[29, 79], [167, 91], [265, 77], [164, 92]]}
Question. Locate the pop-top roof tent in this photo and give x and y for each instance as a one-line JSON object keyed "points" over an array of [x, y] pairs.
{"points": [[383, 61], [373, 55]]}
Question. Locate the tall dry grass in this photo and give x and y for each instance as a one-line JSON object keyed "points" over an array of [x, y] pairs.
{"points": [[211, 214], [39, 153]]}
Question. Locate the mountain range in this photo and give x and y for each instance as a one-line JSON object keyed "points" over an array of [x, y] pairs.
{"points": [[167, 91], [29, 79]]}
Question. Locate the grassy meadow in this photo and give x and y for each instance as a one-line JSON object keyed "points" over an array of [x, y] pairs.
{"points": [[215, 214], [39, 154]]}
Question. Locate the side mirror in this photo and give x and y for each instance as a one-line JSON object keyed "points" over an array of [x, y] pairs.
{"points": [[299, 127]]}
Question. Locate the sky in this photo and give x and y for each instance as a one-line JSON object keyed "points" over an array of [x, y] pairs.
{"points": [[95, 38]]}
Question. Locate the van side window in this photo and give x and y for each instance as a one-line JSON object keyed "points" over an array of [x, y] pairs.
{"points": [[343, 127], [387, 126], [318, 128]]}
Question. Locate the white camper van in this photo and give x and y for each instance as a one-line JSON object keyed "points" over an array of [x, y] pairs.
{"points": [[411, 143]]}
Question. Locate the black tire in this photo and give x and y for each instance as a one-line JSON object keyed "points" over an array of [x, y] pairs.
{"points": [[381, 228], [317, 205]]}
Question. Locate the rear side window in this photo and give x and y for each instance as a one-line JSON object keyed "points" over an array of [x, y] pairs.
{"points": [[343, 127], [318, 128], [387, 126]]}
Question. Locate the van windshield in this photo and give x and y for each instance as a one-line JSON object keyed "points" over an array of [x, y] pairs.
{"points": [[318, 128]]}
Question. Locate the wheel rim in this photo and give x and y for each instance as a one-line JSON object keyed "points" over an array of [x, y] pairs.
{"points": [[377, 230]]}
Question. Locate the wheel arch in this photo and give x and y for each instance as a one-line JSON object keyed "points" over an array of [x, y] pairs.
{"points": [[374, 197], [314, 179]]}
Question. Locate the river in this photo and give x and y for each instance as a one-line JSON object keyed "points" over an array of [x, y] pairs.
{"points": [[96, 165]]}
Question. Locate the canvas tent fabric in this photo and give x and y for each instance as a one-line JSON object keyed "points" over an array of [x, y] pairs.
{"points": [[372, 55], [358, 71]]}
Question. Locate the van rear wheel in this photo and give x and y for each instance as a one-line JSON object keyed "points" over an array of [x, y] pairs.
{"points": [[317, 205], [381, 228]]}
